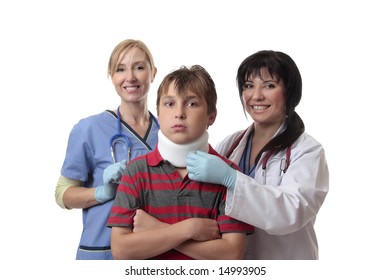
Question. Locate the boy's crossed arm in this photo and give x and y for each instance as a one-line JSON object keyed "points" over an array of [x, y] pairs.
{"points": [[196, 237]]}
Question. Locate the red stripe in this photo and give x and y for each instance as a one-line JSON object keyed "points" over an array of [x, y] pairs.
{"points": [[225, 218], [235, 227], [118, 210], [158, 181], [120, 215], [175, 209], [119, 221]]}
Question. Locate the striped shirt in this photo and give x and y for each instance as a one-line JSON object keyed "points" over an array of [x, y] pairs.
{"points": [[153, 184]]}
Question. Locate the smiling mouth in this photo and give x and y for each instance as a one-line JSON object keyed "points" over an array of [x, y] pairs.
{"points": [[130, 88], [260, 107]]}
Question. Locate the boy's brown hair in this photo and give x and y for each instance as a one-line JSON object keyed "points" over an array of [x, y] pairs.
{"points": [[195, 79]]}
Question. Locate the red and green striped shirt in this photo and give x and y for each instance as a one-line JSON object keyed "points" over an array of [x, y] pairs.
{"points": [[153, 184]]}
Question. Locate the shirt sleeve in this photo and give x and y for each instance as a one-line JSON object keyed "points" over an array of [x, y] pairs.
{"points": [[228, 224], [126, 202], [78, 153]]}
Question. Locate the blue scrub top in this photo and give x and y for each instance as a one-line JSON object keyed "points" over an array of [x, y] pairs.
{"points": [[87, 155], [244, 163]]}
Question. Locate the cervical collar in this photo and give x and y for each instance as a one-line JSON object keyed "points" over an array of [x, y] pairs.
{"points": [[176, 153]]}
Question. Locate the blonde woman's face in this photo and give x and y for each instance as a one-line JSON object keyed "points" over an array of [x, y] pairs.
{"points": [[133, 76]]}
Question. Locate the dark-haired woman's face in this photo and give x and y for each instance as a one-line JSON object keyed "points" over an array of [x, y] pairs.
{"points": [[264, 99]]}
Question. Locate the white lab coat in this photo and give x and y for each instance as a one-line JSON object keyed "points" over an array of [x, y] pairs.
{"points": [[284, 209]]}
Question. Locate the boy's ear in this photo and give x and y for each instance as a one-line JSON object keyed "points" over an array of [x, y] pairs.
{"points": [[212, 118]]}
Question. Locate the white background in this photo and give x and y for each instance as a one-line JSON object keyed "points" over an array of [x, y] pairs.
{"points": [[53, 63]]}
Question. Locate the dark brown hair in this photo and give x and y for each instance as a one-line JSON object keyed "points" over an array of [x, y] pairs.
{"points": [[281, 67]]}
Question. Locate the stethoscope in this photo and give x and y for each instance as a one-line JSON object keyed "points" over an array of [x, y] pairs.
{"points": [[284, 162], [120, 137]]}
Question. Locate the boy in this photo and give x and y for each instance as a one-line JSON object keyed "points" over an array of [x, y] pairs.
{"points": [[180, 218]]}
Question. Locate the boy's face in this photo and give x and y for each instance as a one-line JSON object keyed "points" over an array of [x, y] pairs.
{"points": [[183, 118]]}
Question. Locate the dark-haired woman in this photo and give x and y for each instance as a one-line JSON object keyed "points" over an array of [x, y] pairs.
{"points": [[284, 175]]}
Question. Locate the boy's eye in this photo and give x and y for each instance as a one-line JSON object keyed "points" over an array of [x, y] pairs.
{"points": [[168, 104], [192, 104]]}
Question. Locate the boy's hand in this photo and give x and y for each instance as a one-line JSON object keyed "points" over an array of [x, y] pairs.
{"points": [[143, 221], [203, 229]]}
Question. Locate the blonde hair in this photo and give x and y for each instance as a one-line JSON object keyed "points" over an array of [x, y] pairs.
{"points": [[124, 46]]}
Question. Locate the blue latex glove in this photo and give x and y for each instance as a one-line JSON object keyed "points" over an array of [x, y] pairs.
{"points": [[111, 177], [204, 167]]}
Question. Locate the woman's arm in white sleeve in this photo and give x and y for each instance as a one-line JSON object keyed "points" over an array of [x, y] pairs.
{"points": [[288, 207]]}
